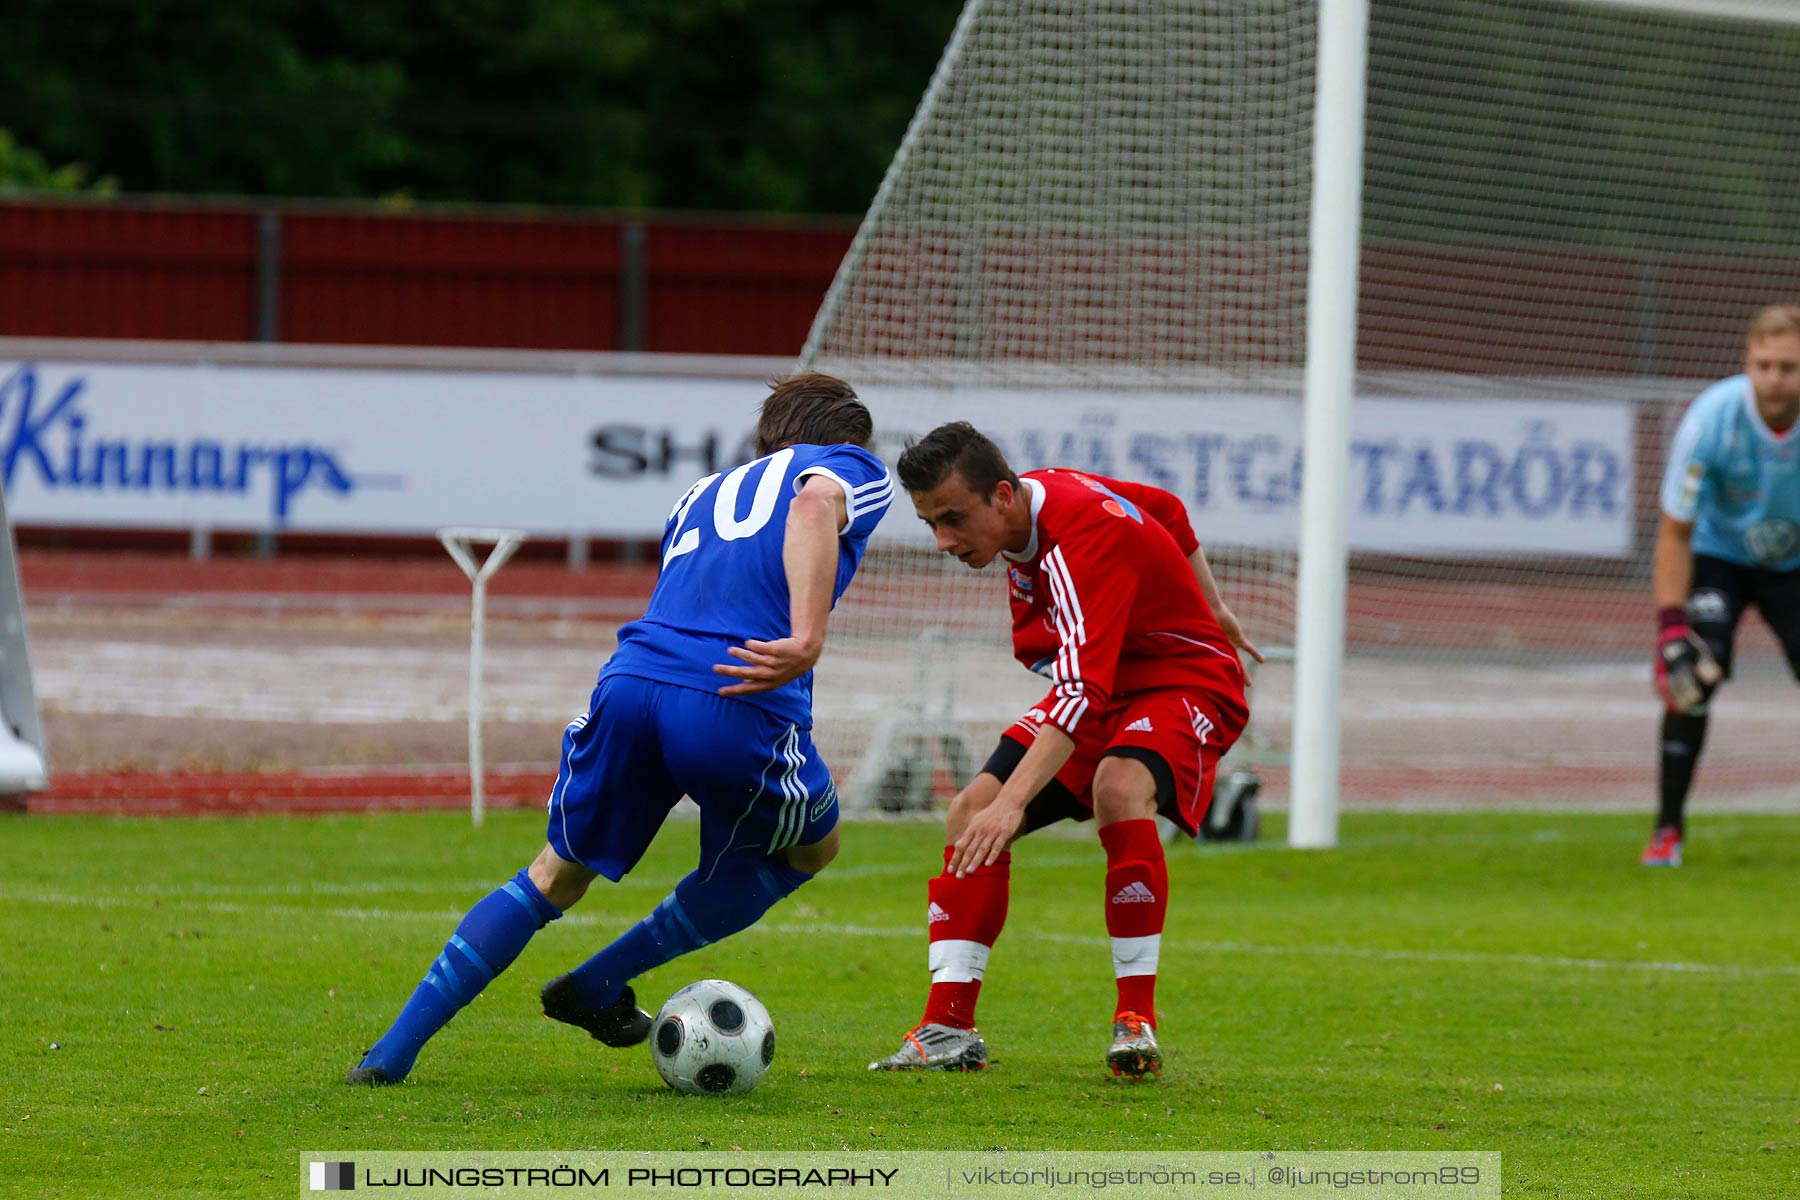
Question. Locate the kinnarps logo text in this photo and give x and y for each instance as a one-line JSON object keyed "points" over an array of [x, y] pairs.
{"points": [[44, 432]]}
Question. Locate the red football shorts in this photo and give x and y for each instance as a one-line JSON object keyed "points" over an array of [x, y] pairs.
{"points": [[1188, 732]]}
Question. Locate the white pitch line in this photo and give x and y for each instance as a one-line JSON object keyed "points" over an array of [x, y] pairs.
{"points": [[1028, 861], [477, 887], [1466, 957], [448, 918]]}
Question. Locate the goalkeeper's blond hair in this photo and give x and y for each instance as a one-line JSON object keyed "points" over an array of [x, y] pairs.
{"points": [[1774, 321]]}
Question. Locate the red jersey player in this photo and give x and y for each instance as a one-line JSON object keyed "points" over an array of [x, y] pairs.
{"points": [[1113, 600]]}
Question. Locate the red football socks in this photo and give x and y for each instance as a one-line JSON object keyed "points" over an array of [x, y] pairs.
{"points": [[1137, 900], [965, 916]]}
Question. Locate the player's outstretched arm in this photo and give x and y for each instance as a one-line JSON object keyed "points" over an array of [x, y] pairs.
{"points": [[809, 555], [994, 827], [1227, 619]]}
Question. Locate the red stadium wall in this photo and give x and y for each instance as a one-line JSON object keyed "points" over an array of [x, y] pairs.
{"points": [[565, 282], [732, 289], [542, 285], [116, 271], [721, 285]]}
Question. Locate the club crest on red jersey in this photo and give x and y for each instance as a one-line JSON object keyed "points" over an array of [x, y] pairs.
{"points": [[1114, 503], [1021, 583]]}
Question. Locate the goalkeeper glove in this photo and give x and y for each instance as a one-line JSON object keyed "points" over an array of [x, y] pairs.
{"points": [[1685, 669]]}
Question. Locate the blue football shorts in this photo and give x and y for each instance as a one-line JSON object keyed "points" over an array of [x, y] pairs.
{"points": [[759, 781]]}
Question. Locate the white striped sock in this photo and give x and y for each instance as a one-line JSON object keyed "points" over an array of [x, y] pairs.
{"points": [[953, 961], [1135, 955]]}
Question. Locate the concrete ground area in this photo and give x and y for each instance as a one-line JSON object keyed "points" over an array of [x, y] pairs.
{"points": [[154, 665]]}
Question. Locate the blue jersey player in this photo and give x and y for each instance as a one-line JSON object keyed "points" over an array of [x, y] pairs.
{"points": [[708, 696], [1729, 538]]}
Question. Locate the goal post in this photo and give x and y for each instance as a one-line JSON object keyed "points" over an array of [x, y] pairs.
{"points": [[1140, 239], [1335, 243]]}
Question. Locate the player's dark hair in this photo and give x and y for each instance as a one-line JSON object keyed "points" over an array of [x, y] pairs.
{"points": [[959, 447], [811, 409]]}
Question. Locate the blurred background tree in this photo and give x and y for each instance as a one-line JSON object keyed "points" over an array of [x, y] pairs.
{"points": [[23, 169], [756, 105]]}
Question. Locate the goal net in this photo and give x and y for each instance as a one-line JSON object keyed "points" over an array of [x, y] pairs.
{"points": [[1092, 243]]}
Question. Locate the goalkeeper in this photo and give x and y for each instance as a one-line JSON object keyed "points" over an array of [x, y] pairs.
{"points": [[1729, 538]]}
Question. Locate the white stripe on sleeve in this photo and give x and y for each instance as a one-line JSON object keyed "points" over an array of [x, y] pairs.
{"points": [[1071, 631]]}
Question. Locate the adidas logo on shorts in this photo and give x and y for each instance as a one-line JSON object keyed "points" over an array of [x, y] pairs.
{"points": [[934, 914], [1134, 893], [1141, 725]]}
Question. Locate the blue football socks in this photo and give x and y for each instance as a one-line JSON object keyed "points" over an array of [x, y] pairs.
{"points": [[732, 897], [484, 944]]}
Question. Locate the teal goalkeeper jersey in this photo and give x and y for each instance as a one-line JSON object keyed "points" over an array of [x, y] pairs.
{"points": [[1736, 480]]}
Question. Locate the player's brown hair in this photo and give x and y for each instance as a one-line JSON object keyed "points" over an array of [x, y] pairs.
{"points": [[960, 447], [1774, 321], [811, 409]]}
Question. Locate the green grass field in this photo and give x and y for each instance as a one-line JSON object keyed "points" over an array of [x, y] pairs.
{"points": [[1443, 982]]}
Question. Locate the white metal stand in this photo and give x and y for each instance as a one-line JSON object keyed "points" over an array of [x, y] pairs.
{"points": [[460, 541]]}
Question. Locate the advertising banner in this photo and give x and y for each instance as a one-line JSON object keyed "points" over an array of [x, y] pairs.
{"points": [[409, 451]]}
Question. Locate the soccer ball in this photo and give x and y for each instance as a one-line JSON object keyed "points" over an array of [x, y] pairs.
{"points": [[712, 1038]]}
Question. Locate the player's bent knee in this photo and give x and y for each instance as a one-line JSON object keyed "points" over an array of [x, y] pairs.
{"points": [[561, 882], [815, 857], [1124, 790], [970, 801]]}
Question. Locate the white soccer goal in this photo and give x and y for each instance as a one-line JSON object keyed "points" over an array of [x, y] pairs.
{"points": [[1097, 240]]}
